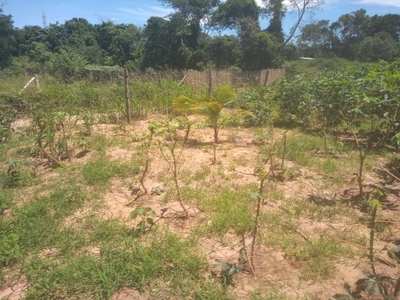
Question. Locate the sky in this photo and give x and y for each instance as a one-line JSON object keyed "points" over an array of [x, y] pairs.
{"points": [[137, 12]]}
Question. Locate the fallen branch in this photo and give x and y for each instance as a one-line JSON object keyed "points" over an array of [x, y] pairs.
{"points": [[183, 79], [387, 171]]}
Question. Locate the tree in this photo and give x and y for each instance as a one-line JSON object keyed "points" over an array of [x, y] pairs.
{"points": [[315, 39], [224, 51], [195, 14], [68, 64], [389, 23], [81, 36], [381, 46], [164, 43], [6, 39], [275, 9], [192, 11], [211, 108], [235, 14], [351, 30], [261, 51], [30, 35], [121, 43]]}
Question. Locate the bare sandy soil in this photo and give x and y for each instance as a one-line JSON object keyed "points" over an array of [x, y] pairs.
{"points": [[237, 158]]}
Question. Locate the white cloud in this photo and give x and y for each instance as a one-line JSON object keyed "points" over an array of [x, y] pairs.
{"points": [[147, 12], [395, 3]]}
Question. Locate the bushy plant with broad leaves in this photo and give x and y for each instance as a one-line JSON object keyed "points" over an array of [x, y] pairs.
{"points": [[259, 108], [68, 65], [227, 272], [146, 215]]}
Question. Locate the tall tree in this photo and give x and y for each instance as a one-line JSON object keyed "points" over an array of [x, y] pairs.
{"points": [[31, 34], [196, 14], [164, 43], [121, 43], [351, 30], [6, 39], [193, 11], [259, 49], [224, 51], [315, 39], [381, 46], [276, 10], [236, 14], [389, 23]]}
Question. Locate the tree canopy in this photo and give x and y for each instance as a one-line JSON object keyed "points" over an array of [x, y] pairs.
{"points": [[181, 40]]}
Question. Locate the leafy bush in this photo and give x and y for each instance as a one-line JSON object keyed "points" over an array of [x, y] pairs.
{"points": [[68, 65], [6, 199], [260, 107]]}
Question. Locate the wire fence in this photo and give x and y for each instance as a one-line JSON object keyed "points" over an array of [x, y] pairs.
{"points": [[198, 80]]}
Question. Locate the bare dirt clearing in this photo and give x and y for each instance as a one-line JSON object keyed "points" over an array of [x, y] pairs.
{"points": [[303, 213]]}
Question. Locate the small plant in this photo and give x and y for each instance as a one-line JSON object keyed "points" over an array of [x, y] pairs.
{"points": [[349, 296], [156, 190], [378, 284], [262, 175], [210, 107], [171, 158], [88, 121], [13, 173], [146, 215], [186, 124], [146, 148], [227, 271], [52, 137], [6, 200], [373, 283]]}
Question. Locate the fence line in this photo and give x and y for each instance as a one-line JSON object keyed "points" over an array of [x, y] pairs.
{"points": [[198, 80]]}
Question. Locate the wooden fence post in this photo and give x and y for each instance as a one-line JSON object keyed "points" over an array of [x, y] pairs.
{"points": [[37, 81], [210, 80], [127, 104]]}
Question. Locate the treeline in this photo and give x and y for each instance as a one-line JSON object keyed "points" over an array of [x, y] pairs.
{"points": [[192, 38], [354, 36]]}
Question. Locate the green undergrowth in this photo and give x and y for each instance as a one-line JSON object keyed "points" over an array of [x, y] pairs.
{"points": [[82, 96], [54, 232], [132, 263]]}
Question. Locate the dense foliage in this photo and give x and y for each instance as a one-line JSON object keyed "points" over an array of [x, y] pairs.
{"points": [[187, 39], [357, 96]]}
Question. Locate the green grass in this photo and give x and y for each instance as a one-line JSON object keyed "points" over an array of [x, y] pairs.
{"points": [[131, 264], [6, 199], [229, 210], [52, 234], [100, 170]]}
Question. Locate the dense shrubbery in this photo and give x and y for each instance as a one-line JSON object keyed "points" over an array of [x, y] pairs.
{"points": [[368, 94]]}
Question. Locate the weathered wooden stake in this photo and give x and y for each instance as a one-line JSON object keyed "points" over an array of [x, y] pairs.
{"points": [[127, 104], [210, 80], [37, 81], [26, 85]]}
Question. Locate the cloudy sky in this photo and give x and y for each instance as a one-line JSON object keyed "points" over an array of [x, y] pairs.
{"points": [[29, 12]]}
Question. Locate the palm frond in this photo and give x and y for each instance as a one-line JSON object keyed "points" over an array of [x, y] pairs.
{"points": [[223, 95], [183, 103]]}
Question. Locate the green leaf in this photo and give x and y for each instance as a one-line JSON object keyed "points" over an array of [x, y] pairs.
{"points": [[347, 288], [142, 226], [152, 213], [134, 214], [141, 210], [231, 271]]}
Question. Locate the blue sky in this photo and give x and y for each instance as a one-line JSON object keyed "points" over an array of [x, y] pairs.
{"points": [[29, 12]]}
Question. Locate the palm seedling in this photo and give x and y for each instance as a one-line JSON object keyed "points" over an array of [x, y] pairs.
{"points": [[210, 107]]}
